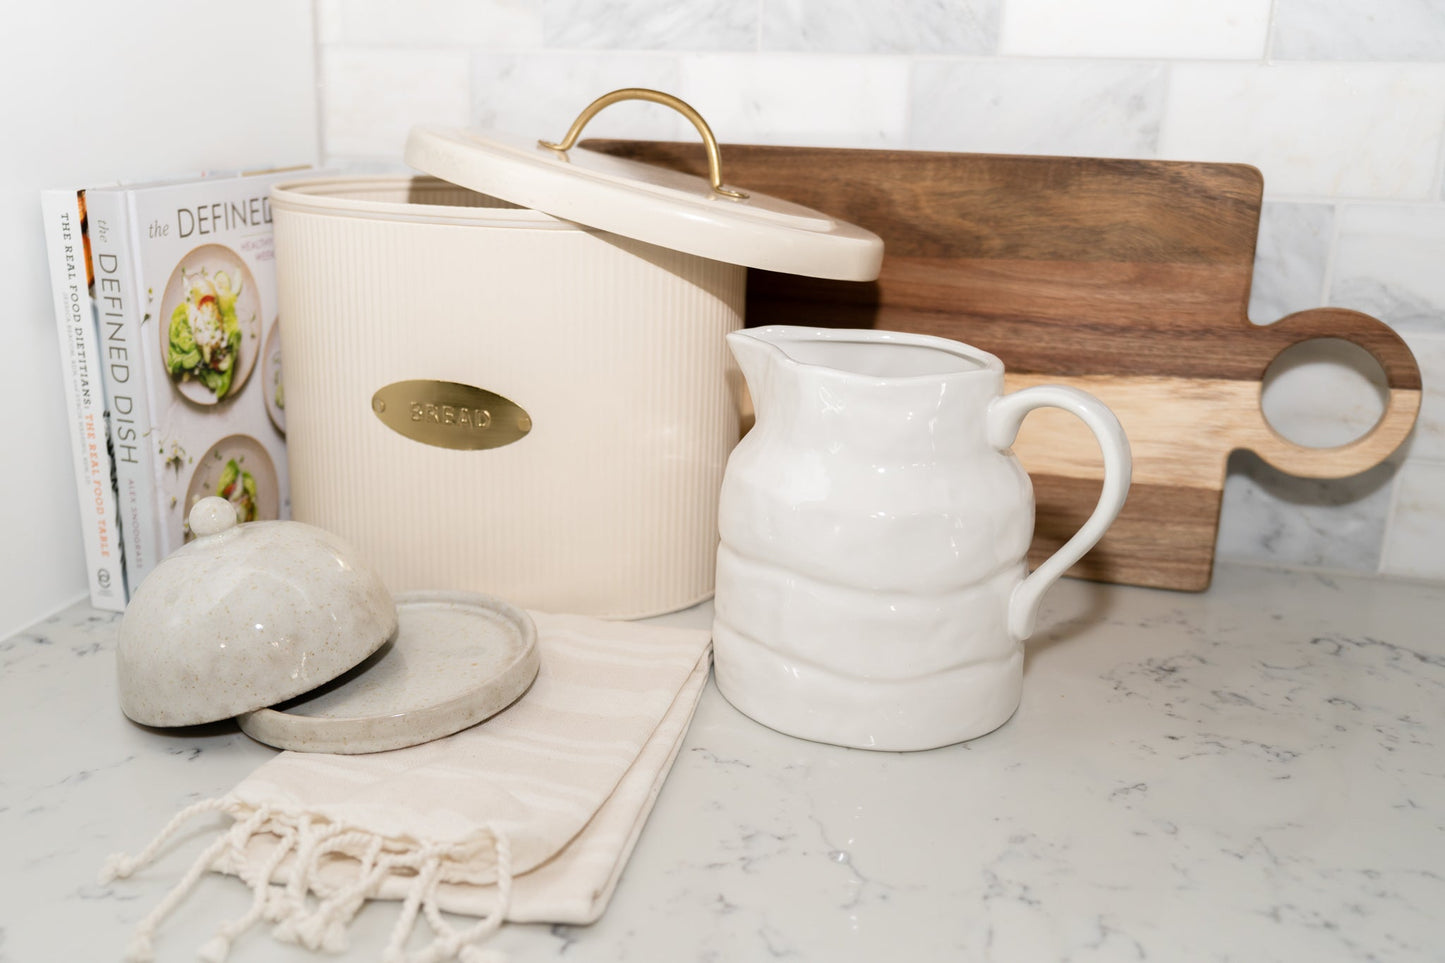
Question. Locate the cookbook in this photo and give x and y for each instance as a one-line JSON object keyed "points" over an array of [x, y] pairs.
{"points": [[185, 304], [72, 283]]}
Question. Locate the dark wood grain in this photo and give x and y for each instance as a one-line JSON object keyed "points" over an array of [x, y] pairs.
{"points": [[1062, 265], [1071, 267], [1164, 538], [988, 206]]}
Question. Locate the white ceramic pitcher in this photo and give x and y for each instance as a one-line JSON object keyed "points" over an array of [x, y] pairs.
{"points": [[872, 582]]}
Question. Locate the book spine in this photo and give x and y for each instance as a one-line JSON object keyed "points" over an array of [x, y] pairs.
{"points": [[64, 214], [120, 307]]}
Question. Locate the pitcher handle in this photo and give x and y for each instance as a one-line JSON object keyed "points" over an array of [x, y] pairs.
{"points": [[1005, 416]]}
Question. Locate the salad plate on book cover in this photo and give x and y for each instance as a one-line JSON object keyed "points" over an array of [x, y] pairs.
{"points": [[209, 324], [238, 469]]}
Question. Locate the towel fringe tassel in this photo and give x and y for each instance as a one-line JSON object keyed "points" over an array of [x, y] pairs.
{"points": [[141, 948], [320, 924], [453, 944], [219, 946]]}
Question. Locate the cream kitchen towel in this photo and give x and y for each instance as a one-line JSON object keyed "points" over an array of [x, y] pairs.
{"points": [[529, 816]]}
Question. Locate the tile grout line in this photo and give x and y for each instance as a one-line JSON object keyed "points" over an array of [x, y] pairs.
{"points": [[1288, 198], [474, 106], [1166, 92], [318, 82], [1266, 57], [1326, 286], [1438, 194], [1325, 571], [980, 58], [1327, 279], [909, 79], [1381, 566]]}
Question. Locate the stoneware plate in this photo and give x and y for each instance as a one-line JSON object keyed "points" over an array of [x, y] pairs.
{"points": [[456, 659]]}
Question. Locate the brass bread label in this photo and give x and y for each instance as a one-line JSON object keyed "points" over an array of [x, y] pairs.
{"points": [[446, 414]]}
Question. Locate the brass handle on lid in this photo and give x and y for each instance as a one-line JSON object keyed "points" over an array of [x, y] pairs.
{"points": [[714, 158]]}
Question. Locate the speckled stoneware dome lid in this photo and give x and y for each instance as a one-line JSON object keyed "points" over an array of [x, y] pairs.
{"points": [[246, 616]]}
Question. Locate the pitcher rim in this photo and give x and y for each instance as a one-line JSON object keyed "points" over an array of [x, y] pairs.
{"points": [[803, 334]]}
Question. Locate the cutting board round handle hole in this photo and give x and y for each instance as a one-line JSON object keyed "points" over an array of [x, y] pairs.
{"points": [[1324, 393], [1400, 387]]}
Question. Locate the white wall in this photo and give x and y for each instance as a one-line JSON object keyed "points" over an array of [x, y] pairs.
{"points": [[93, 91], [1341, 103]]}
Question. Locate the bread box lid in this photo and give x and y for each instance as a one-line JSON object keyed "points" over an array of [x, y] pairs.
{"points": [[648, 203]]}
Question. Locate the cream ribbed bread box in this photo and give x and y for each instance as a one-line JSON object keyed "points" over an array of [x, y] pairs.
{"points": [[511, 376]]}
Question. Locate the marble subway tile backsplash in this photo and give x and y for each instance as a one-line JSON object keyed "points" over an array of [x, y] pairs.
{"points": [[818, 101], [1340, 103], [542, 93], [1428, 441], [1390, 262], [1272, 517], [431, 23], [1291, 256], [371, 97], [1359, 30], [867, 26], [1161, 29], [650, 25], [1351, 130], [1417, 527], [1089, 108]]}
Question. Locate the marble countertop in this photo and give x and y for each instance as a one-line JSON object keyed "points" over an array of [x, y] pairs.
{"points": [[1253, 773]]}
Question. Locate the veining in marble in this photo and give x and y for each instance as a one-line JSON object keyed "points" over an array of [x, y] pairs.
{"points": [[1289, 120], [489, 24], [1324, 392], [650, 25], [1290, 259], [1254, 772], [818, 100], [1415, 544], [541, 94], [1428, 439], [1338, 523], [864, 26], [1390, 262], [1102, 109], [1222, 29], [372, 96], [1358, 30], [1127, 868]]}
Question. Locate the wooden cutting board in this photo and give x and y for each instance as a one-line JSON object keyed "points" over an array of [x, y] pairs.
{"points": [[1129, 279]]}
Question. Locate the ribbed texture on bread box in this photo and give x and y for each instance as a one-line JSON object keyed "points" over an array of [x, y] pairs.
{"points": [[615, 348]]}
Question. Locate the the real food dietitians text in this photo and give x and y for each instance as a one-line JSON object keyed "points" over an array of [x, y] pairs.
{"points": [[72, 284]]}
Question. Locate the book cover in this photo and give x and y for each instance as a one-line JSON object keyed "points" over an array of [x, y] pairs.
{"points": [[118, 335], [186, 296], [72, 281]]}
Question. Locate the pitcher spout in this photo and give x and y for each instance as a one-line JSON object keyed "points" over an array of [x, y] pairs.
{"points": [[755, 357]]}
